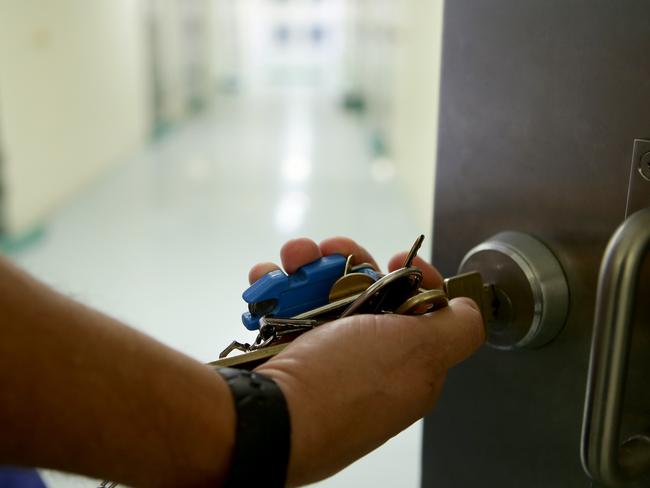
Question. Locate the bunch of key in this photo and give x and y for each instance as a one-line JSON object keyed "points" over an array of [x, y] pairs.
{"points": [[282, 307]]}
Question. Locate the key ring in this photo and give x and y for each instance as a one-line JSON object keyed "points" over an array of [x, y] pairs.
{"points": [[395, 287]]}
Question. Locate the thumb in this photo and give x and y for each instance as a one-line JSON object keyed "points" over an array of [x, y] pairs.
{"points": [[457, 330]]}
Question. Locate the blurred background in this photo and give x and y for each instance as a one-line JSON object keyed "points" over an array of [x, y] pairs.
{"points": [[151, 151]]}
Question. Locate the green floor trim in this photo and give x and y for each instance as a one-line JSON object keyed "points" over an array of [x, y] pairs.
{"points": [[11, 244], [354, 102], [161, 129], [378, 145], [197, 105]]}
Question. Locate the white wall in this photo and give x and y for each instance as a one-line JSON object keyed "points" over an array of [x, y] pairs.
{"points": [[73, 98], [167, 50], [394, 61], [415, 101], [376, 40], [226, 46]]}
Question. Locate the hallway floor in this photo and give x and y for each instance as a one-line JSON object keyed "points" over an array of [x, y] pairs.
{"points": [[165, 242]]}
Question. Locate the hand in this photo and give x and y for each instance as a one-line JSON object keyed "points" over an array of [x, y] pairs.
{"points": [[354, 383]]}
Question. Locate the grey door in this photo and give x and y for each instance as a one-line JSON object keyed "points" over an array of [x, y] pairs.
{"points": [[540, 104]]}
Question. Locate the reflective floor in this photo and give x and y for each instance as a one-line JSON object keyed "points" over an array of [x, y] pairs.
{"points": [[165, 242]]}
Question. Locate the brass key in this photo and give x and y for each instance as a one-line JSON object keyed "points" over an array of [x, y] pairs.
{"points": [[251, 359], [471, 285]]}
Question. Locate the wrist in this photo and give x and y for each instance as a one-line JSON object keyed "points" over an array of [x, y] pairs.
{"points": [[260, 456], [313, 436], [297, 468]]}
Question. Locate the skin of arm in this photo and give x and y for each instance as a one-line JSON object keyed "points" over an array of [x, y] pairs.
{"points": [[81, 392]]}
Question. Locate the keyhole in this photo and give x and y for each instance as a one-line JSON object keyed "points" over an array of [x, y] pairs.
{"points": [[502, 312], [495, 307]]}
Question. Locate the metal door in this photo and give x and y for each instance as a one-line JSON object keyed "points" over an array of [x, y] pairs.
{"points": [[541, 102]]}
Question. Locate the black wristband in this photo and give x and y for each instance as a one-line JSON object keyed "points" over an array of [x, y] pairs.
{"points": [[263, 431]]}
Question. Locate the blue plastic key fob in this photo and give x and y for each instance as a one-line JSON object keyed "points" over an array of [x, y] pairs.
{"points": [[284, 295]]}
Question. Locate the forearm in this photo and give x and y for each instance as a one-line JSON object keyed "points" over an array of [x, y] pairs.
{"points": [[81, 392]]}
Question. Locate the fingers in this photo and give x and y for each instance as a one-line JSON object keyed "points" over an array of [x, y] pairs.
{"points": [[298, 252], [459, 330], [346, 246], [260, 270], [294, 254], [431, 276]]}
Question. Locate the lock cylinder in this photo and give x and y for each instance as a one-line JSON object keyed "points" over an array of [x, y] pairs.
{"points": [[529, 292]]}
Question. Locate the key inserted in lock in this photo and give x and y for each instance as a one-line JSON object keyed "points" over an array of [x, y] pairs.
{"points": [[520, 287]]}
